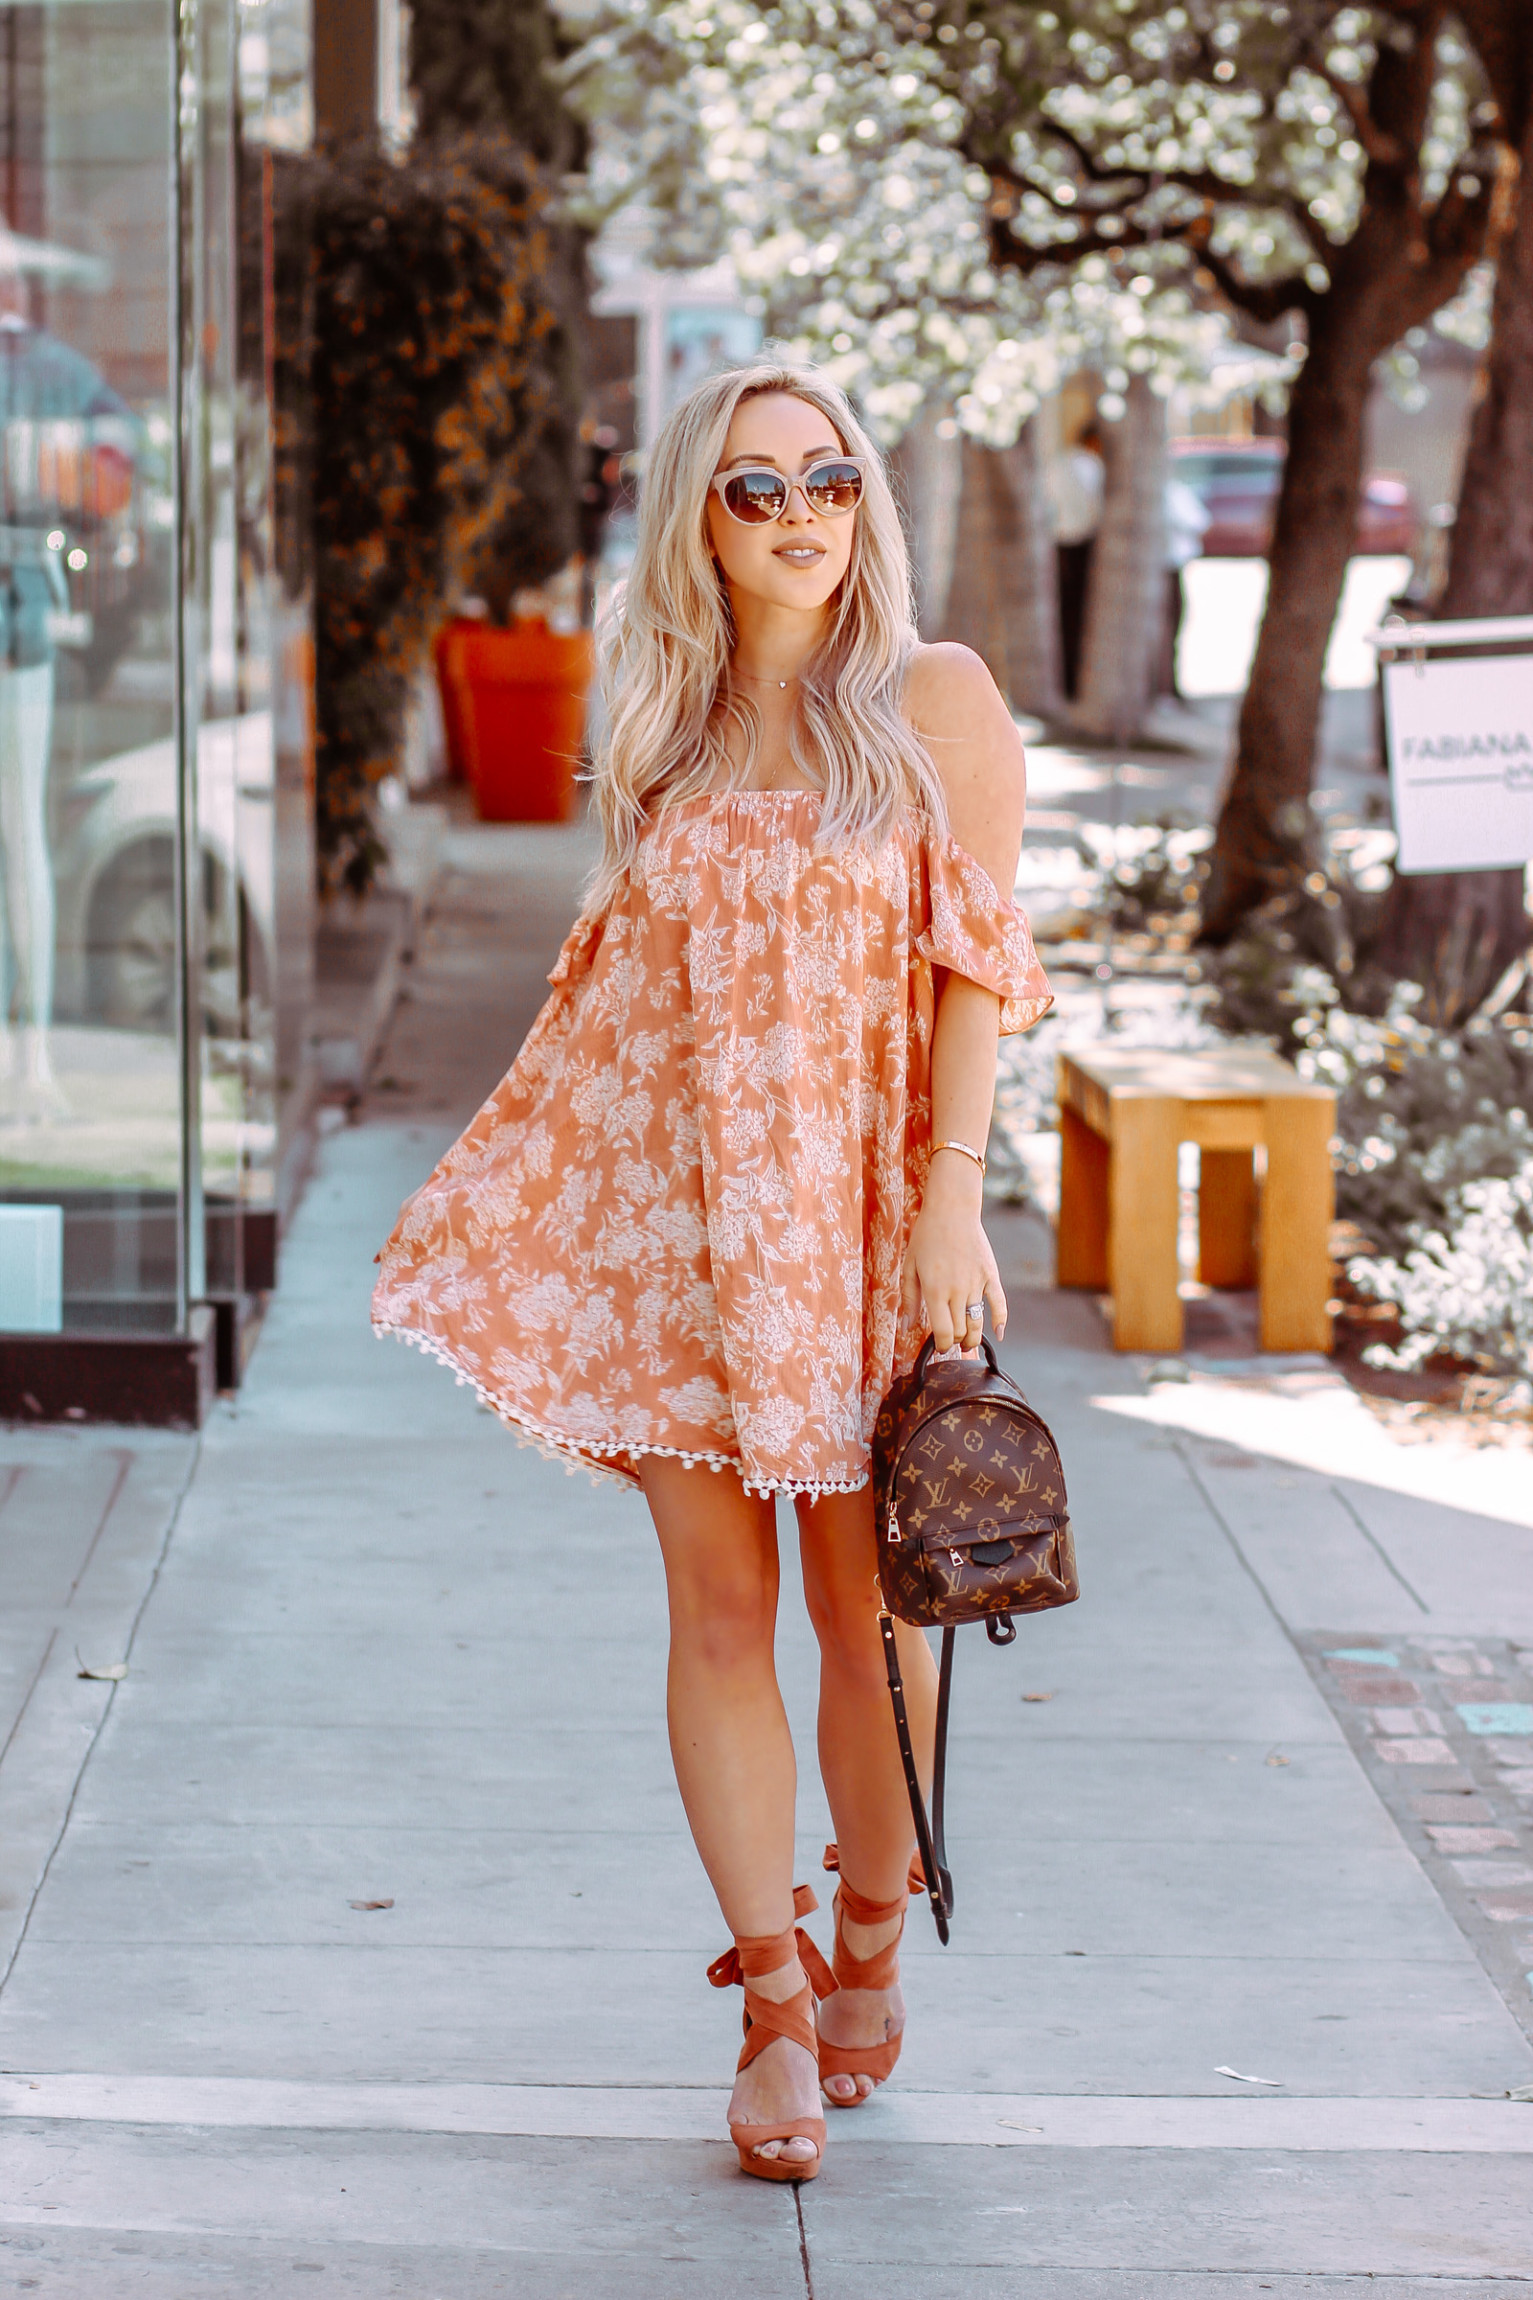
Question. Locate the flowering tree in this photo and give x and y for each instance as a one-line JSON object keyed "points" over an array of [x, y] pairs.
{"points": [[1312, 162], [819, 149], [966, 199]]}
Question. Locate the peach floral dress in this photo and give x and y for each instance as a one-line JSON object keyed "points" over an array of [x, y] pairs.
{"points": [[678, 1224]]}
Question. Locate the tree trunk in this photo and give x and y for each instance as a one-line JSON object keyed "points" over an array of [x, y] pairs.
{"points": [[927, 472], [1457, 932], [971, 613], [1002, 600], [1027, 585], [1454, 932], [1126, 599], [1401, 265], [1265, 815]]}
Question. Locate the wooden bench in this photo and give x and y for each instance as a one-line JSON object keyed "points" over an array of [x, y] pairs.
{"points": [[1123, 1113]]}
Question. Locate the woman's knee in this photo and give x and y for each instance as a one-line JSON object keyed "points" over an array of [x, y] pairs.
{"points": [[844, 1616], [721, 1566], [723, 1604]]}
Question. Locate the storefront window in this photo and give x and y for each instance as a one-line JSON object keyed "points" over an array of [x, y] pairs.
{"points": [[139, 621]]}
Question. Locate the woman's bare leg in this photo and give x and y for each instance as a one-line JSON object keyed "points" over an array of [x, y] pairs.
{"points": [[859, 1754], [730, 1741]]}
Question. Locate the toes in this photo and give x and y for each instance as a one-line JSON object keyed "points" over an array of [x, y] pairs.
{"points": [[841, 2087]]}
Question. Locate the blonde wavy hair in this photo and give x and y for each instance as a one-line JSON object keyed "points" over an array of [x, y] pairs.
{"points": [[667, 652]]}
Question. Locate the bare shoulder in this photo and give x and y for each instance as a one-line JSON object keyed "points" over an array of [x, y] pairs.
{"points": [[949, 692], [962, 717]]}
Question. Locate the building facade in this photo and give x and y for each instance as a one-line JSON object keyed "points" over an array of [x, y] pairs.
{"points": [[156, 872]]}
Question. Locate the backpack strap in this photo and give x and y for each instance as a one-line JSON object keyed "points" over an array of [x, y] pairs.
{"points": [[929, 1838]]}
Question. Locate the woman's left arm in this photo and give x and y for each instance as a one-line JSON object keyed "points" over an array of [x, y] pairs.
{"points": [[957, 710]]}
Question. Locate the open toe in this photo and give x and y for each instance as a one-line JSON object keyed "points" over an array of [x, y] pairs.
{"points": [[761, 2147], [851, 2073]]}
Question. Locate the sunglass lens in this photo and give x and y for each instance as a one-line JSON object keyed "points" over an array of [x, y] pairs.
{"points": [[755, 496], [834, 487]]}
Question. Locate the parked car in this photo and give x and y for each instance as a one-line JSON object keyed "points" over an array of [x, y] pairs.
{"points": [[1237, 481], [114, 832]]}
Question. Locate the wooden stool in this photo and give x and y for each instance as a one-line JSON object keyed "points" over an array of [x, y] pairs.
{"points": [[1123, 1113]]}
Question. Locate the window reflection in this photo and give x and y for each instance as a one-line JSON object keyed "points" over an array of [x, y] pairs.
{"points": [[114, 810]]}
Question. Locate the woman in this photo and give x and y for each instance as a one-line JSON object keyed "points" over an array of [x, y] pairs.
{"points": [[735, 1172]]}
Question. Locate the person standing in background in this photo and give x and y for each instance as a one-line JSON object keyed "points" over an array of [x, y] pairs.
{"points": [[1076, 482], [1187, 522]]}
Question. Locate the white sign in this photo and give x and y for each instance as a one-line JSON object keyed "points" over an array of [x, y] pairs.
{"points": [[31, 1269], [1460, 738]]}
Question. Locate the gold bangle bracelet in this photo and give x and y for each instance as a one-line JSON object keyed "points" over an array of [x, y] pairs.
{"points": [[964, 1149]]}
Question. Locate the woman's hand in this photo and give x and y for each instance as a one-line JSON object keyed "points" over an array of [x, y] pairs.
{"points": [[949, 1266]]}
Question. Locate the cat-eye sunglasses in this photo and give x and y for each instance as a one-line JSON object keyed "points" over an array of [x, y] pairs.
{"points": [[755, 494]]}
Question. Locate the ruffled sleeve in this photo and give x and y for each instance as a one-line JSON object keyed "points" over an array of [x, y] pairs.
{"points": [[966, 927], [579, 948]]}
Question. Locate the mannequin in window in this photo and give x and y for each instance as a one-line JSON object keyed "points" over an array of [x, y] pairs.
{"points": [[50, 397]]}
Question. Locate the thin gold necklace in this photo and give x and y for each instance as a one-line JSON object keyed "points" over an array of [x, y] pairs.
{"points": [[763, 679]]}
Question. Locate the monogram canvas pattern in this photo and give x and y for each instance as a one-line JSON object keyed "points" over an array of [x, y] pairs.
{"points": [[971, 1506], [678, 1224]]}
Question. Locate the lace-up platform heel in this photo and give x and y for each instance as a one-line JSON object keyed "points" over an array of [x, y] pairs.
{"points": [[751, 1957], [879, 1971]]}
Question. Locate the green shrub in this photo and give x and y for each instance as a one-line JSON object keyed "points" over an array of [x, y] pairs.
{"points": [[1418, 1114], [1466, 1288], [414, 315]]}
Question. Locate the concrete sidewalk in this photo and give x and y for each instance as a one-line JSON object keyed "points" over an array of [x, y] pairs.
{"points": [[357, 1934]]}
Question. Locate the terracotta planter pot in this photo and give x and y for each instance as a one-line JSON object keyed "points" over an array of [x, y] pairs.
{"points": [[447, 651], [526, 693]]}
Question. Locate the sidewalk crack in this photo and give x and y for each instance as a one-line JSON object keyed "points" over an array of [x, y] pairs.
{"points": [[803, 2240], [139, 1611], [1379, 1550]]}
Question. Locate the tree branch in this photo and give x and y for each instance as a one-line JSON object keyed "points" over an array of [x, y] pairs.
{"points": [[1008, 253], [1197, 183], [1385, 151], [1261, 300], [1201, 183]]}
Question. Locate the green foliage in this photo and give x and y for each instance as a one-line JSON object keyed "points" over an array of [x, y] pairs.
{"points": [[1434, 1131], [1148, 875], [413, 313], [488, 69], [1419, 1114], [1312, 931], [1435, 1170], [1466, 1288]]}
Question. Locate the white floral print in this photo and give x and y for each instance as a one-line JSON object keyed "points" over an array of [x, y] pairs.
{"points": [[678, 1224]]}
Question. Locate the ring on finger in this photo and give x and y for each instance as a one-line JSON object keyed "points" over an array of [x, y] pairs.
{"points": [[974, 1312]]}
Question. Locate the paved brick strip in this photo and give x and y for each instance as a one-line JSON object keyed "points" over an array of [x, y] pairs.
{"points": [[1444, 1728]]}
